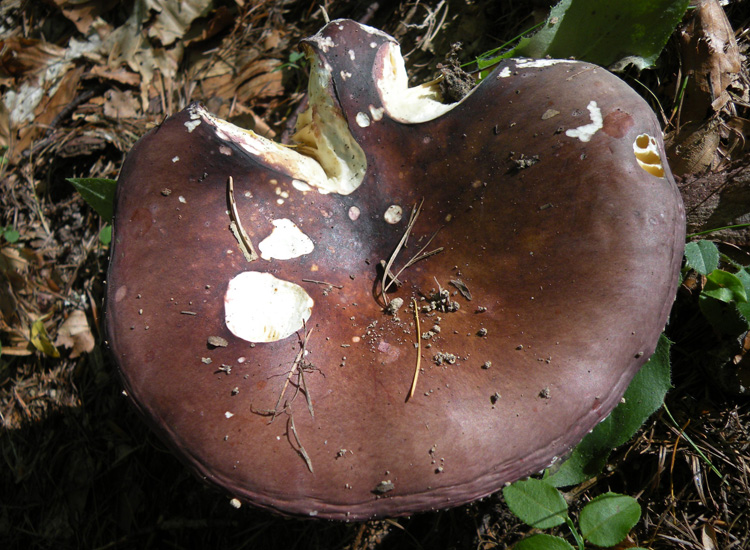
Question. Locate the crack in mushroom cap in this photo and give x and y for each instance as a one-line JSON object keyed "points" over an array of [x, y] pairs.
{"points": [[568, 249]]}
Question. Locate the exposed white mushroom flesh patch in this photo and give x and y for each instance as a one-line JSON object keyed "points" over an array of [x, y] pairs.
{"points": [[326, 156], [285, 242], [322, 133], [260, 308], [587, 131], [363, 121], [539, 63], [647, 154], [410, 105], [393, 214]]}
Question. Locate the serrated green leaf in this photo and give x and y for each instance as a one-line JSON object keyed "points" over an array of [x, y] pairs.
{"points": [[725, 318], [634, 31], [703, 256], [99, 193], [607, 520], [724, 286], [542, 542], [536, 503], [643, 397]]}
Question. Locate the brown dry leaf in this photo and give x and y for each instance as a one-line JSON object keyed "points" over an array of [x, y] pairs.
{"points": [[119, 105], [83, 13], [121, 75], [75, 333], [175, 17], [711, 59]]}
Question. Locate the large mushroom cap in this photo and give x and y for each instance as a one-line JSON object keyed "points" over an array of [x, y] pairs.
{"points": [[556, 233]]}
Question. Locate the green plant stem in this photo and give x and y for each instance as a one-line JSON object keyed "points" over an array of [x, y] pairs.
{"points": [[707, 231], [574, 531]]}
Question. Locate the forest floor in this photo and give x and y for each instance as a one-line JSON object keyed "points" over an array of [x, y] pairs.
{"points": [[82, 81]]}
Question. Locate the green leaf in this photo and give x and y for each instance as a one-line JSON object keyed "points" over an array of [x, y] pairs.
{"points": [[11, 235], [725, 318], [99, 193], [105, 235], [626, 31], [703, 256], [607, 520], [724, 286], [643, 397], [536, 503], [542, 542]]}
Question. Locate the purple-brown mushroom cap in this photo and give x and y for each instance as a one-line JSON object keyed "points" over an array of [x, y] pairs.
{"points": [[548, 234]]}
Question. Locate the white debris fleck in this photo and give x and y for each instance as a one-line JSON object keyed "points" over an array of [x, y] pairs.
{"points": [[345, 75], [224, 150], [363, 121], [175, 159], [352, 56], [586, 132], [505, 73], [258, 307], [285, 242], [228, 414], [354, 213], [235, 503], [373, 45], [182, 199], [393, 214]]}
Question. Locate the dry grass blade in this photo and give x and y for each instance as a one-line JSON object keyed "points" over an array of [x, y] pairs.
{"points": [[246, 245], [419, 352]]}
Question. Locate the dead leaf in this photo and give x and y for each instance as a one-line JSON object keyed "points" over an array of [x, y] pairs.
{"points": [[119, 105], [83, 13], [711, 59], [41, 341], [75, 333]]}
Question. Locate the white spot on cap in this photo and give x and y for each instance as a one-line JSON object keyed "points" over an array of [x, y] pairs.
{"points": [[224, 150], [228, 414], [373, 45], [362, 120], [393, 214], [182, 199], [175, 159], [586, 132], [505, 73], [354, 213], [352, 56], [258, 307], [345, 75], [285, 242]]}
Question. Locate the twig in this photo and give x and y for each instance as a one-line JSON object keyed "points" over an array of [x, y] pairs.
{"points": [[246, 245], [300, 448], [322, 283], [385, 284], [295, 368], [419, 352]]}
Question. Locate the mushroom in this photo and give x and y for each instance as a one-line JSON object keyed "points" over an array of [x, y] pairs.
{"points": [[533, 227]]}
